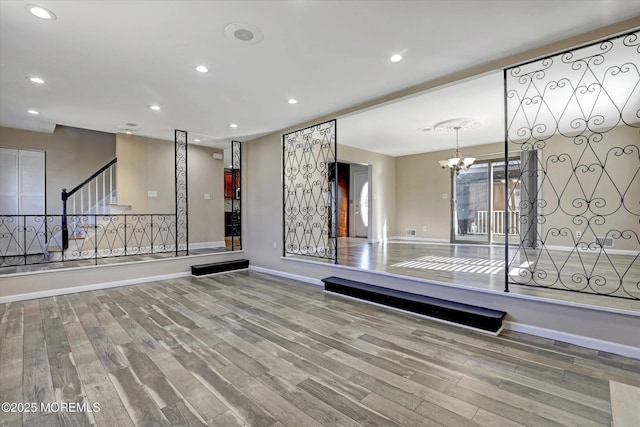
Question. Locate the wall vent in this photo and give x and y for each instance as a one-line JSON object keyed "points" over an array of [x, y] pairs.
{"points": [[605, 242], [411, 232]]}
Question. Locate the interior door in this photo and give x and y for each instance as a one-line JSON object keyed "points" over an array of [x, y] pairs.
{"points": [[22, 192], [343, 200], [9, 185], [9, 225], [361, 201]]}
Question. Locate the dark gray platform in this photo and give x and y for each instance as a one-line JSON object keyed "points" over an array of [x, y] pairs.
{"points": [[219, 267], [473, 316]]}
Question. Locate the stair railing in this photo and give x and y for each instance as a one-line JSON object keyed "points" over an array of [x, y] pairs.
{"points": [[96, 185]]}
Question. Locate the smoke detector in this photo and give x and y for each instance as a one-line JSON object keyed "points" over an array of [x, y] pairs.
{"points": [[244, 33]]}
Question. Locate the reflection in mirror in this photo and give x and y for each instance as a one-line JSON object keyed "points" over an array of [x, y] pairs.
{"points": [[205, 173], [120, 199], [232, 204], [214, 195]]}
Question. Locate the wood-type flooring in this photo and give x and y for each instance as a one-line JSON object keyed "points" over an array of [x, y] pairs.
{"points": [[483, 266], [249, 349]]}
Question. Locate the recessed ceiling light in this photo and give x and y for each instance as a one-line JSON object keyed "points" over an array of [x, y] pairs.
{"points": [[233, 125], [41, 12], [196, 140], [396, 57], [34, 112], [35, 79], [202, 69], [128, 132], [292, 101], [154, 107]]}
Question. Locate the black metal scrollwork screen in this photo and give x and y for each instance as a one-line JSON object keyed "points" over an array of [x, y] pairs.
{"points": [[575, 119], [309, 163], [182, 220]]}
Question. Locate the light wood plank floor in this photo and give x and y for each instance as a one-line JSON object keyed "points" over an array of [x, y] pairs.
{"points": [[250, 349], [454, 263]]}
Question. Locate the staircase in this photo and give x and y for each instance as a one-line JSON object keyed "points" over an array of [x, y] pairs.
{"points": [[88, 206]]}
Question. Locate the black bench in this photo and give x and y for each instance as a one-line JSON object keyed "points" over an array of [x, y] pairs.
{"points": [[469, 315], [219, 267]]}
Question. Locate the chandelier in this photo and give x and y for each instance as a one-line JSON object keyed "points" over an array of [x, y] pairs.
{"points": [[457, 161]]}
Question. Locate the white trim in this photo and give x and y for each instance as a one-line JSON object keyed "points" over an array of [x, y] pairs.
{"points": [[416, 239], [84, 288], [435, 319], [305, 279], [205, 245], [608, 346]]}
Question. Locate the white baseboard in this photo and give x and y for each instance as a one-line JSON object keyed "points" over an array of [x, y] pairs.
{"points": [[596, 344], [305, 279], [93, 287], [205, 245], [418, 239]]}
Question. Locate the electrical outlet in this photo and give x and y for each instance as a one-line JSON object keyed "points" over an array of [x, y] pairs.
{"points": [[445, 195], [207, 196], [424, 228], [275, 245], [578, 234]]}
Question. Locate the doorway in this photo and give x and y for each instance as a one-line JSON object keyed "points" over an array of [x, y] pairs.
{"points": [[361, 203], [353, 214], [480, 194]]}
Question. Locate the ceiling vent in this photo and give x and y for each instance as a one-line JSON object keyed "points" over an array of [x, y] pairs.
{"points": [[244, 33], [128, 128]]}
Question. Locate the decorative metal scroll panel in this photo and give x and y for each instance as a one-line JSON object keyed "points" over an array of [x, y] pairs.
{"points": [[575, 117], [37, 239], [182, 219], [236, 203], [309, 208]]}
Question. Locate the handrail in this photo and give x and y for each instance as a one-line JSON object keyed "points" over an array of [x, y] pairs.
{"points": [[86, 181], [66, 194]]}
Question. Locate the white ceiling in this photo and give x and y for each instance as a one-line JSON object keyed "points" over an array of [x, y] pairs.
{"points": [[406, 126], [105, 62]]}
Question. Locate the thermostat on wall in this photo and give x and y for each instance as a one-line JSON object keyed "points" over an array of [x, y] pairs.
{"points": [[217, 156]]}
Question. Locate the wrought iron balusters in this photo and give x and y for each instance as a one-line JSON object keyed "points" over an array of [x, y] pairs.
{"points": [[38, 239]]}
